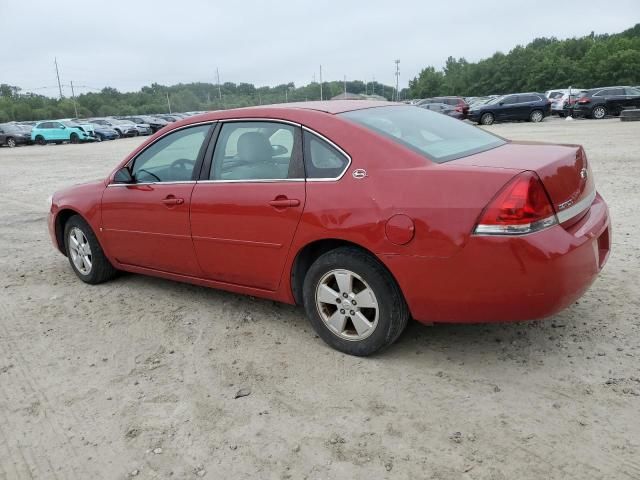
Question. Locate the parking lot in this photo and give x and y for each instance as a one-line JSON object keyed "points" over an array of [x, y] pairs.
{"points": [[138, 377]]}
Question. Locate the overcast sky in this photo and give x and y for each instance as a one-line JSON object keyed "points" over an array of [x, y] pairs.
{"points": [[130, 44]]}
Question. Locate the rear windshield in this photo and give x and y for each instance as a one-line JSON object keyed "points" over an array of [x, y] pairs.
{"points": [[438, 137]]}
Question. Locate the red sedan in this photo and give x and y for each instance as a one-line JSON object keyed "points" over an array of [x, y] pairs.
{"points": [[366, 213]]}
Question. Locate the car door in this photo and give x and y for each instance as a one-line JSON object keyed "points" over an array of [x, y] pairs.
{"points": [[57, 131], [146, 223], [633, 97], [246, 208], [506, 108], [615, 100]]}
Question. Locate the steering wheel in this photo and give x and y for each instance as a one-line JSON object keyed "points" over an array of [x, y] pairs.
{"points": [[181, 168]]}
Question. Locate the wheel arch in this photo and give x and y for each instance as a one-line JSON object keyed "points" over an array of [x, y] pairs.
{"points": [[310, 252], [61, 220]]}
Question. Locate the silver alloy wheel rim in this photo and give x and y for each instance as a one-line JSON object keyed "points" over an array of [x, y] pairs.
{"points": [[80, 251], [599, 112], [487, 119], [347, 305], [11, 143], [536, 116]]}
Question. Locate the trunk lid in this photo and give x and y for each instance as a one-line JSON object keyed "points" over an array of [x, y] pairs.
{"points": [[563, 169]]}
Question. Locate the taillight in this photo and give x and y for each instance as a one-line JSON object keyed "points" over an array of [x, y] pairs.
{"points": [[522, 206], [459, 108], [584, 100]]}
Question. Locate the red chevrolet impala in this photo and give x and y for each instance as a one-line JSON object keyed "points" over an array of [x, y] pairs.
{"points": [[366, 213]]}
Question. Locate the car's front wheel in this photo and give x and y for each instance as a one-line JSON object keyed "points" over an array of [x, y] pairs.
{"points": [[11, 142], [40, 140], [353, 302], [487, 119], [74, 138], [599, 112], [85, 254]]}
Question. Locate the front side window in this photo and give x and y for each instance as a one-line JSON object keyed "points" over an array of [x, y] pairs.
{"points": [[172, 158], [437, 137], [255, 151], [510, 100], [322, 160]]}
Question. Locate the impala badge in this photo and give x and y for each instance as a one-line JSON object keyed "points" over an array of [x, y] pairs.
{"points": [[359, 173]]}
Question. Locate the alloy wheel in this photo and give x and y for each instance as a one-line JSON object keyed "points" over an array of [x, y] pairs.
{"points": [[80, 251], [599, 112], [11, 143], [536, 116], [347, 305]]}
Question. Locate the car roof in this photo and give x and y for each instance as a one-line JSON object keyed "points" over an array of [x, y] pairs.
{"points": [[330, 106]]}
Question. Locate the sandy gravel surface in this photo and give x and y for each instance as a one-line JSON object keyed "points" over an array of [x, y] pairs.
{"points": [[137, 377]]}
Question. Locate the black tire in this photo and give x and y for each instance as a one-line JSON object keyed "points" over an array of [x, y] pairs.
{"points": [[598, 112], [74, 138], [101, 269], [11, 142], [393, 313], [40, 140], [487, 119], [561, 114], [536, 116], [99, 137], [136, 133]]}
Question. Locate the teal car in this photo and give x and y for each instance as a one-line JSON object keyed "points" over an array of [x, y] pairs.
{"points": [[53, 131]]}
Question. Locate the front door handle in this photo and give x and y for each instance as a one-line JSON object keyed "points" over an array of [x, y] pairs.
{"points": [[284, 202], [171, 200]]}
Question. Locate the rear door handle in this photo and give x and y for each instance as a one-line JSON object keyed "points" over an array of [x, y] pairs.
{"points": [[173, 201], [284, 203]]}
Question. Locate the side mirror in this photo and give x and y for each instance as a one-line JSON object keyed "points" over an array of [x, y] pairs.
{"points": [[123, 176], [63, 127], [501, 103], [278, 150]]}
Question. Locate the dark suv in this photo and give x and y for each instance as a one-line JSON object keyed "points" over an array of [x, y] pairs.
{"points": [[458, 103], [517, 106], [599, 102]]}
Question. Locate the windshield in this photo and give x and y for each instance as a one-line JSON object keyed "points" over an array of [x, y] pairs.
{"points": [[438, 137]]}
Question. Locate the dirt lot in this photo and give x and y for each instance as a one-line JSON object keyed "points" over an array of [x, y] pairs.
{"points": [[137, 377]]}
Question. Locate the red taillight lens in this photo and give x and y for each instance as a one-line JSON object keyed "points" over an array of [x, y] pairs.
{"points": [[459, 108], [522, 206], [584, 100]]}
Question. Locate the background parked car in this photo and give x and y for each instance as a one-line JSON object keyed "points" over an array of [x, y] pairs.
{"points": [[141, 128], [124, 130], [600, 102], [531, 106], [457, 103], [54, 131], [103, 132], [154, 122], [560, 104], [12, 135], [444, 109]]}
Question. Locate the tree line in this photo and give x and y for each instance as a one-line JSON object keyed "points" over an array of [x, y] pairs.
{"points": [[16, 105], [543, 64]]}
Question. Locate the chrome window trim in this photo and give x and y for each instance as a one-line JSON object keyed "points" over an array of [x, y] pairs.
{"points": [[348, 157], [262, 180], [258, 119], [150, 183], [573, 210]]}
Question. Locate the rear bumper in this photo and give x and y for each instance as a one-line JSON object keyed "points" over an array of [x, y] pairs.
{"points": [[501, 279]]}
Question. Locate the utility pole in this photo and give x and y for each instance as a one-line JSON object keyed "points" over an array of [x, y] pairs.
{"points": [[168, 102], [55, 60], [73, 95], [345, 87], [320, 82], [397, 79], [218, 80]]}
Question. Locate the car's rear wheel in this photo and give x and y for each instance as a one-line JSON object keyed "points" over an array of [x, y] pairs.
{"points": [[85, 254], [487, 119], [11, 142], [136, 133], [40, 140], [536, 116], [73, 138], [599, 112], [353, 303]]}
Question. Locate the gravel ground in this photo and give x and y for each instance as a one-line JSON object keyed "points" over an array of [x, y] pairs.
{"points": [[137, 377]]}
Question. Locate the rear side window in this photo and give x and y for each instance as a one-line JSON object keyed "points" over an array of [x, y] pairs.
{"points": [[437, 137], [321, 159], [632, 91], [510, 100]]}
